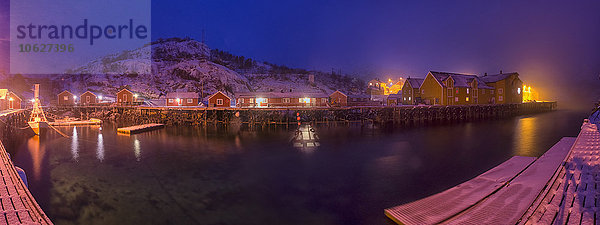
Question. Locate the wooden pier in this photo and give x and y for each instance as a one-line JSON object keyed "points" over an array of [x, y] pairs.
{"points": [[140, 128], [17, 204], [76, 122], [560, 187]]}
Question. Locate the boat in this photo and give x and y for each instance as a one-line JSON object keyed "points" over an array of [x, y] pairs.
{"points": [[37, 120]]}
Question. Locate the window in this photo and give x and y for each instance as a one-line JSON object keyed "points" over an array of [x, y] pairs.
{"points": [[500, 91], [251, 100], [518, 90], [189, 100], [467, 92], [491, 91], [241, 100], [404, 98], [449, 92], [500, 98], [286, 100], [423, 91], [219, 101], [456, 90], [170, 100], [456, 99], [467, 99], [324, 100], [66, 98], [124, 98], [409, 91], [87, 99]]}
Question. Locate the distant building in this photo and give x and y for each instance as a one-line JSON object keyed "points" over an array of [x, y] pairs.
{"points": [[410, 91], [219, 99], [338, 98], [394, 99], [375, 87], [508, 87], [182, 99], [9, 100], [88, 98], [277, 99], [125, 97], [442, 88], [66, 98], [361, 100]]}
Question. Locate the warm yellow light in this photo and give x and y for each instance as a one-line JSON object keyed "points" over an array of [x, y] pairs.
{"points": [[11, 99], [178, 100], [74, 97], [135, 95]]}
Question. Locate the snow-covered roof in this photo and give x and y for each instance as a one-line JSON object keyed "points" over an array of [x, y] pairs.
{"points": [[282, 95], [360, 96], [460, 80], [497, 77], [399, 95], [415, 82], [182, 95]]}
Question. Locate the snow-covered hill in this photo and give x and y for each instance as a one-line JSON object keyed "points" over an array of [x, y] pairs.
{"points": [[188, 65]]}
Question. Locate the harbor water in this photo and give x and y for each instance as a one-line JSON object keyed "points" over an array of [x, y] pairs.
{"points": [[338, 174]]}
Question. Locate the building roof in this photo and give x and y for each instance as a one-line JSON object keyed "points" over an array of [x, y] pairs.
{"points": [[398, 95], [226, 95], [5, 92], [497, 77], [360, 96], [415, 82], [182, 95], [338, 91], [88, 92], [282, 95], [460, 80], [64, 92], [124, 89]]}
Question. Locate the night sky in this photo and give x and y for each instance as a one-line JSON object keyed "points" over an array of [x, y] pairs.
{"points": [[554, 45]]}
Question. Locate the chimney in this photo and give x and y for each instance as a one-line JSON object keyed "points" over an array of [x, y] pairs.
{"points": [[500, 71]]}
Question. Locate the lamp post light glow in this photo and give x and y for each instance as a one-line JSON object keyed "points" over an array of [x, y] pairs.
{"points": [[11, 99]]}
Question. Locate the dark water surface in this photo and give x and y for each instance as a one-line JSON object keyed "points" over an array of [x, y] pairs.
{"points": [[238, 175]]}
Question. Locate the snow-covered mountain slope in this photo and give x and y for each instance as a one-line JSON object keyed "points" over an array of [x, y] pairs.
{"points": [[188, 65]]}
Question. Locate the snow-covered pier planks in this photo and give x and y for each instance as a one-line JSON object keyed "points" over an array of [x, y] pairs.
{"points": [[439, 207], [479, 203], [139, 128]]}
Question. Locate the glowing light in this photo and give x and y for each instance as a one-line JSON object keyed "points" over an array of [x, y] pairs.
{"points": [[32, 100], [74, 97], [518, 90], [100, 148], [11, 99], [260, 101], [100, 97], [178, 100], [75, 145], [137, 149], [135, 95], [305, 100]]}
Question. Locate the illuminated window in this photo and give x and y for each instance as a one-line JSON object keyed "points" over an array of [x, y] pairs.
{"points": [[66, 98], [323, 100], [170, 100], [467, 99], [404, 98], [500, 98], [219, 101], [467, 93], [409, 98], [456, 90], [518, 90], [456, 99], [500, 90], [286, 100], [242, 100], [251, 100]]}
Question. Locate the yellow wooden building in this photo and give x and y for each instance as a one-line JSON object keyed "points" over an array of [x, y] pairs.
{"points": [[508, 87], [443, 88], [410, 91]]}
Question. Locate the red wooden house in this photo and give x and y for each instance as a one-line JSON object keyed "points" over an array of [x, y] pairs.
{"points": [[219, 99], [182, 99], [88, 98], [125, 97], [66, 98], [9, 100]]}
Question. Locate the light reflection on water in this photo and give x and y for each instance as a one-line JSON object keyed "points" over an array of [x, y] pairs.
{"points": [[241, 175]]}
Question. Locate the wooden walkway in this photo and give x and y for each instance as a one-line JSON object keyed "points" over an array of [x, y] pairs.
{"points": [[517, 185], [140, 128], [16, 202]]}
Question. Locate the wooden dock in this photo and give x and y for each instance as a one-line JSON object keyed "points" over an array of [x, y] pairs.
{"points": [[17, 204], [76, 122], [521, 190], [140, 128]]}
